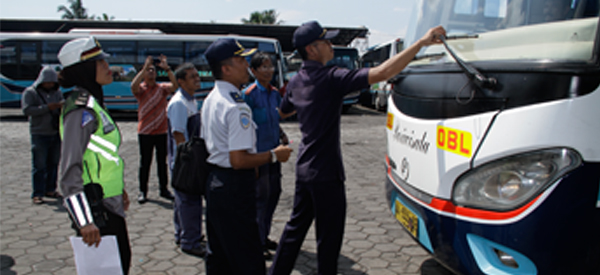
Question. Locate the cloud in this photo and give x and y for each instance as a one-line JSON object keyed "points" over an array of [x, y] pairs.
{"points": [[292, 17], [378, 36], [399, 9]]}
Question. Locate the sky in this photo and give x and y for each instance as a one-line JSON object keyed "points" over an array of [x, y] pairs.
{"points": [[385, 19]]}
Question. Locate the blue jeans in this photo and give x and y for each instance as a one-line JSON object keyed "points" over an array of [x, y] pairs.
{"points": [[187, 219], [45, 154]]}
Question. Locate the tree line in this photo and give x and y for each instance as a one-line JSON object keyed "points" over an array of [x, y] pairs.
{"points": [[75, 10]]}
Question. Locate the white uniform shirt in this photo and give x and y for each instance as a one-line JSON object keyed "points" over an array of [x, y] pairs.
{"points": [[227, 124]]}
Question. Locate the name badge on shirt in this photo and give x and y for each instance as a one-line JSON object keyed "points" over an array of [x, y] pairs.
{"points": [[107, 126]]}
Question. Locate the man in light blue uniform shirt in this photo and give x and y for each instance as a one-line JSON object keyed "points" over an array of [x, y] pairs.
{"points": [[184, 123], [233, 240]]}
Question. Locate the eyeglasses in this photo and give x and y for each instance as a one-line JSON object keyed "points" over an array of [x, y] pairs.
{"points": [[266, 68]]}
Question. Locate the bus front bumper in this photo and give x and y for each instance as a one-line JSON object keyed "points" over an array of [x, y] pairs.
{"points": [[557, 235]]}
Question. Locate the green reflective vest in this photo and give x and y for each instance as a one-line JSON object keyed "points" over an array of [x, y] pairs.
{"points": [[101, 162]]}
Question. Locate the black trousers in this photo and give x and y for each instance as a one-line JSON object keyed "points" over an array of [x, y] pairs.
{"points": [[116, 226], [233, 240], [147, 144], [324, 202]]}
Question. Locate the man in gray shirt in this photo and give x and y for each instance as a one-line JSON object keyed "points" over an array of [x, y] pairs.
{"points": [[41, 103]]}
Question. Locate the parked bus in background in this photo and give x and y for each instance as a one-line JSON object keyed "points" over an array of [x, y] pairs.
{"points": [[377, 95], [23, 54], [493, 153], [343, 57]]}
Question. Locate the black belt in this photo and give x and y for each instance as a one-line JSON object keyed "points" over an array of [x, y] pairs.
{"points": [[219, 168]]}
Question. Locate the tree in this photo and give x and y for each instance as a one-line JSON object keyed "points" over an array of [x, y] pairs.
{"points": [[267, 17], [105, 17], [75, 10]]}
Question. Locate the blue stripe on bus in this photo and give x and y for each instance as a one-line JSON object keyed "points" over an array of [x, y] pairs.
{"points": [[598, 202]]}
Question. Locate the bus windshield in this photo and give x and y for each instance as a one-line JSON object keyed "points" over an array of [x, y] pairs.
{"points": [[344, 58], [510, 29]]}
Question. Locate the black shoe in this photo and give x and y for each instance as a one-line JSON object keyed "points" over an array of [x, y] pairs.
{"points": [[198, 251], [271, 244], [268, 256], [167, 195], [142, 198]]}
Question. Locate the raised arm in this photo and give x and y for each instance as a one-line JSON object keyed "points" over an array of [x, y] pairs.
{"points": [[135, 83], [397, 63], [165, 66]]}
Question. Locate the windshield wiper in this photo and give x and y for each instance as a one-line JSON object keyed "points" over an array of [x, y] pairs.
{"points": [[462, 36], [473, 74], [451, 37], [431, 55]]}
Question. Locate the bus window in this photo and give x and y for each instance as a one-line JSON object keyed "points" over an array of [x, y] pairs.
{"points": [[121, 52], [29, 52], [172, 49], [344, 58], [194, 52], [376, 96], [8, 52], [49, 50]]}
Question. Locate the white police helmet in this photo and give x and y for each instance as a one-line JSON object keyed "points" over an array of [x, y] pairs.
{"points": [[79, 50]]}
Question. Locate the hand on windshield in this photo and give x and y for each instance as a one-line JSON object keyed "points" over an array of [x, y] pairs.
{"points": [[432, 36]]}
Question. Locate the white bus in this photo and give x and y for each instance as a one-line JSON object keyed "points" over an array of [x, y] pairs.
{"points": [[378, 93], [23, 54], [493, 152]]}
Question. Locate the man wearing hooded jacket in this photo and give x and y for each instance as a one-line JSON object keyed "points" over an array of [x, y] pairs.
{"points": [[41, 103]]}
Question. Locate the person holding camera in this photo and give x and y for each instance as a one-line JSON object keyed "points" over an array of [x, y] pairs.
{"points": [[91, 170], [153, 122], [41, 103]]}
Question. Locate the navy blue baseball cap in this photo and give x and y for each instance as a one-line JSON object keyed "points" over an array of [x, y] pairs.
{"points": [[310, 32], [224, 48]]}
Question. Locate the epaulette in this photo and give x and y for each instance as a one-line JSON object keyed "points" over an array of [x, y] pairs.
{"points": [[236, 97], [82, 98], [77, 99], [250, 88]]}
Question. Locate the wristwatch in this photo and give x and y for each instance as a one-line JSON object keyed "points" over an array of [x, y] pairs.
{"points": [[273, 157]]}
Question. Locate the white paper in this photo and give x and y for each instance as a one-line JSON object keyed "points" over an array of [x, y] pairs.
{"points": [[101, 260]]}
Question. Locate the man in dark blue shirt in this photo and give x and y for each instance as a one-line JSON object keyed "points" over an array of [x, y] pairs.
{"points": [[316, 93]]}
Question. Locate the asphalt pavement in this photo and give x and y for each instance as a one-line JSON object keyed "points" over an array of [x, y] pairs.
{"points": [[34, 239]]}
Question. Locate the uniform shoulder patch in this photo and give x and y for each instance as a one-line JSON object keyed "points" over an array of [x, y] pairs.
{"points": [[236, 97], [245, 120], [86, 118]]}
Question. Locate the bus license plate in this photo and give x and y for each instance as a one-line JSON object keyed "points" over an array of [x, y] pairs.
{"points": [[407, 218]]}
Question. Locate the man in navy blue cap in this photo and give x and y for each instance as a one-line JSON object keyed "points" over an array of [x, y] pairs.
{"points": [[230, 134], [316, 93]]}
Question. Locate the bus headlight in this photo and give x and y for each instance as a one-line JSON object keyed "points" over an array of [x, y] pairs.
{"points": [[510, 182]]}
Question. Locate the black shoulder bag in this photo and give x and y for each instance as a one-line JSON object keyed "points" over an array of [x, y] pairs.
{"points": [[191, 170]]}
